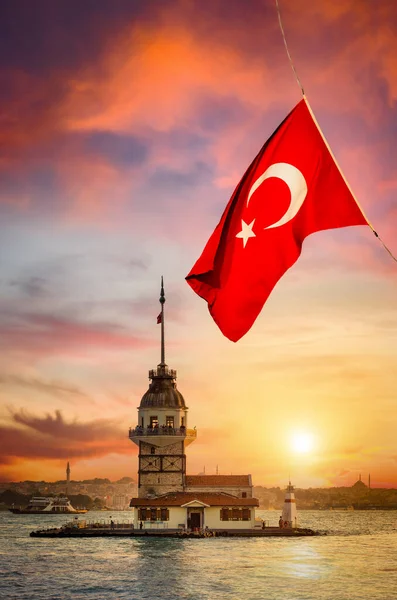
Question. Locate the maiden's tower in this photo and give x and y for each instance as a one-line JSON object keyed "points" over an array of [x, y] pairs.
{"points": [[166, 495], [162, 432]]}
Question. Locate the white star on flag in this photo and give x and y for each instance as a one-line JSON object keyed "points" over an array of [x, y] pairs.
{"points": [[246, 231]]}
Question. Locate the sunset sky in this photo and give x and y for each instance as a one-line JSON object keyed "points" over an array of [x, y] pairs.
{"points": [[125, 126]]}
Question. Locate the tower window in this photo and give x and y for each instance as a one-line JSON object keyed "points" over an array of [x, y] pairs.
{"points": [[243, 494], [169, 421], [152, 450], [154, 422], [182, 421]]}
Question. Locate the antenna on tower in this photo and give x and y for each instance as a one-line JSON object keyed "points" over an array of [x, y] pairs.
{"points": [[162, 302]]}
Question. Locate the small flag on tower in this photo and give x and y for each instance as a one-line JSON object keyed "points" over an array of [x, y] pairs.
{"points": [[159, 319], [291, 189]]}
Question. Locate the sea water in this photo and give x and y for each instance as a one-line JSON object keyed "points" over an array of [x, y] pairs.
{"points": [[357, 559]]}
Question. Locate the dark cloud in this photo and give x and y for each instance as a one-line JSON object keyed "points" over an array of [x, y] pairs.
{"points": [[31, 286], [171, 180], [45, 35], [52, 388], [56, 426], [137, 263], [40, 166], [39, 438], [123, 150], [181, 140], [219, 113]]}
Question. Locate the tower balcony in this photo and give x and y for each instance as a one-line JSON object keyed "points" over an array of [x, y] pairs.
{"points": [[162, 436], [162, 371]]}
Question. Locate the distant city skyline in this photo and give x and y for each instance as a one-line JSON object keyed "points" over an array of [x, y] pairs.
{"points": [[366, 479], [124, 131]]}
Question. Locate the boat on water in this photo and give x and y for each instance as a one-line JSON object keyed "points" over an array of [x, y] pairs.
{"points": [[48, 506]]}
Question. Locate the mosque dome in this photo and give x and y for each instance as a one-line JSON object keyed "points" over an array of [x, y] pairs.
{"points": [[162, 392], [359, 484]]}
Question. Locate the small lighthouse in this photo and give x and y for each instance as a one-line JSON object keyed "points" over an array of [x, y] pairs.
{"points": [[289, 508]]}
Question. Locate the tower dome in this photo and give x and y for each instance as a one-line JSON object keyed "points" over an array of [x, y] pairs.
{"points": [[162, 392]]}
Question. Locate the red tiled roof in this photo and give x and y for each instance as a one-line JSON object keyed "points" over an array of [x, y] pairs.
{"points": [[180, 498], [218, 480]]}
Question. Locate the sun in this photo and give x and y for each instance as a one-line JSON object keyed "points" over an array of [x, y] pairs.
{"points": [[302, 442]]}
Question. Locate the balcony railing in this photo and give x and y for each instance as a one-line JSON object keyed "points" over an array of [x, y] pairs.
{"points": [[162, 371], [160, 431]]}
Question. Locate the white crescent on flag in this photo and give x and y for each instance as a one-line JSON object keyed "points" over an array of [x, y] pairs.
{"points": [[294, 180]]}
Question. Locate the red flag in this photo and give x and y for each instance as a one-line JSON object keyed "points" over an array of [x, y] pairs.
{"points": [[159, 319], [291, 189]]}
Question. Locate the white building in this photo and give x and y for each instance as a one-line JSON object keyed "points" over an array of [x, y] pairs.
{"points": [[190, 510]]}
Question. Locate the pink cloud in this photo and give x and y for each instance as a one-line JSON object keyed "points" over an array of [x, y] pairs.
{"points": [[44, 335]]}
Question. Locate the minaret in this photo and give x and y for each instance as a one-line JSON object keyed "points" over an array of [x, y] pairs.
{"points": [[162, 433], [67, 478], [289, 508]]}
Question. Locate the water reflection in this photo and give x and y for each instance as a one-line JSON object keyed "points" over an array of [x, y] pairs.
{"points": [[160, 568], [318, 568]]}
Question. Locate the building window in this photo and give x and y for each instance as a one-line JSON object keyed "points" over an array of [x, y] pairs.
{"points": [[142, 514], [164, 514], [236, 514], [153, 514], [244, 494], [182, 421], [152, 450], [142, 421], [154, 422], [169, 421], [224, 514]]}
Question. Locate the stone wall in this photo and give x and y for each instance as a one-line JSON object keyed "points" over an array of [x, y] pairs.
{"points": [[154, 481]]}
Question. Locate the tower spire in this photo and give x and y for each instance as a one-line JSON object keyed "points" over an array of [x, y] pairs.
{"points": [[162, 301]]}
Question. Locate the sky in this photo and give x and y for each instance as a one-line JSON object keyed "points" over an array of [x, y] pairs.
{"points": [[125, 127]]}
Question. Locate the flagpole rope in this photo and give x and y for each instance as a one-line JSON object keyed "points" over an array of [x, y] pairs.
{"points": [[286, 48], [323, 136]]}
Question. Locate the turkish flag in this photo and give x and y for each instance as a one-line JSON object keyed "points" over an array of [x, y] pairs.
{"points": [[291, 189], [159, 319]]}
